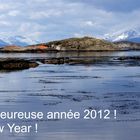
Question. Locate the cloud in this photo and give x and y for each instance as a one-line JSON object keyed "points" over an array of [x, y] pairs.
{"points": [[4, 6], [112, 5], [4, 23], [88, 23], [45, 14], [13, 13], [46, 20]]}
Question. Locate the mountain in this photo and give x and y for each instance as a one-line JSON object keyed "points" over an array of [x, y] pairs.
{"points": [[16, 40], [3, 43], [129, 35]]}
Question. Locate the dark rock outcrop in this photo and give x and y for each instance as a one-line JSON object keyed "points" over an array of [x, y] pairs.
{"points": [[16, 64], [72, 61], [129, 58]]}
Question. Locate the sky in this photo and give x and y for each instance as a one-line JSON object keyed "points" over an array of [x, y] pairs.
{"points": [[46, 20]]}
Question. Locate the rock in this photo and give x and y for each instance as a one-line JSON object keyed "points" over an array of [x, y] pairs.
{"points": [[129, 58], [60, 60], [16, 64], [70, 61], [36, 48]]}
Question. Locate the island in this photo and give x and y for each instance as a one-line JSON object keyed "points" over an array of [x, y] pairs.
{"points": [[74, 44]]}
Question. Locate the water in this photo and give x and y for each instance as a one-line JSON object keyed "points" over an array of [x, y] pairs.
{"points": [[68, 54], [77, 87]]}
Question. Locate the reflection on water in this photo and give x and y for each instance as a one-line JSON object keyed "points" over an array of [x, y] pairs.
{"points": [[76, 87], [68, 54]]}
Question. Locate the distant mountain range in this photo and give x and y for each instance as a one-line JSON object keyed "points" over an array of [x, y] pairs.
{"points": [[129, 35], [16, 40]]}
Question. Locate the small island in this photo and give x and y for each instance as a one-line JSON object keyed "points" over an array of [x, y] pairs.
{"points": [[74, 44]]}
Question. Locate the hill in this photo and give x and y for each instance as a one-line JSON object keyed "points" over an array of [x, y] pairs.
{"points": [[81, 44], [127, 45]]}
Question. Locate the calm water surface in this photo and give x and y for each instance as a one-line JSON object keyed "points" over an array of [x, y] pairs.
{"points": [[76, 87]]}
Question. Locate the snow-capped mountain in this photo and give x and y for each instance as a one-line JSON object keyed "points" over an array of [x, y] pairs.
{"points": [[16, 40], [129, 35], [3, 43]]}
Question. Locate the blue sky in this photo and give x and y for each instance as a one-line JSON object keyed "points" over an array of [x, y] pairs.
{"points": [[46, 20]]}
